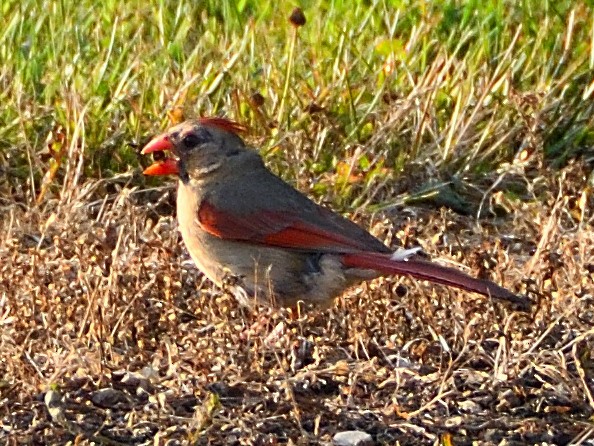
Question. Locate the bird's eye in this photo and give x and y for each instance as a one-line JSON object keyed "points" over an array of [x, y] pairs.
{"points": [[191, 140], [196, 138]]}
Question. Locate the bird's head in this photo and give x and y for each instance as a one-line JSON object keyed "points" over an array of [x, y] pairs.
{"points": [[200, 147]]}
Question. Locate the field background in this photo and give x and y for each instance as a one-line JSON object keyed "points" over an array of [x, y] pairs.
{"points": [[464, 127]]}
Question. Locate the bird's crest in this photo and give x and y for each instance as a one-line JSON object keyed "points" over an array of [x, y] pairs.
{"points": [[224, 124]]}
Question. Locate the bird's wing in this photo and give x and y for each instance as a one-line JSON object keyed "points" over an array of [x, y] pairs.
{"points": [[270, 212], [283, 229]]}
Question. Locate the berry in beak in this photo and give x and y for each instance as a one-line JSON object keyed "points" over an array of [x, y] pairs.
{"points": [[166, 166]]}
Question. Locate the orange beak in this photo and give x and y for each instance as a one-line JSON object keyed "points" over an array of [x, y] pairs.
{"points": [[168, 166], [158, 144]]}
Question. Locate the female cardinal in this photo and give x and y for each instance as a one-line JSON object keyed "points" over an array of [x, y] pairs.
{"points": [[247, 228]]}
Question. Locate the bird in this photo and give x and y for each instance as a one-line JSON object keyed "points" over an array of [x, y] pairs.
{"points": [[252, 233]]}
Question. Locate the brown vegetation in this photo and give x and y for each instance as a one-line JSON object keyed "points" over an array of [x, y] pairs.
{"points": [[103, 316]]}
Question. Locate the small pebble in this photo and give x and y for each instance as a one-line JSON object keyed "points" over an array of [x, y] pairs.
{"points": [[352, 438]]}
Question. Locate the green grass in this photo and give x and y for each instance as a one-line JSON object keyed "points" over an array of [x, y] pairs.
{"points": [[464, 86]]}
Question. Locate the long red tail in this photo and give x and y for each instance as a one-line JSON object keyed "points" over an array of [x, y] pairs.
{"points": [[432, 272]]}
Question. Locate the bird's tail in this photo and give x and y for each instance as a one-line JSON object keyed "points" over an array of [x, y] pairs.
{"points": [[421, 269]]}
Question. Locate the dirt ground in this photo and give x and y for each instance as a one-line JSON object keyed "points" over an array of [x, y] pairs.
{"points": [[109, 334]]}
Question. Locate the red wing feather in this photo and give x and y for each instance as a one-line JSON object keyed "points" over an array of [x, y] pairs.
{"points": [[280, 229], [300, 235]]}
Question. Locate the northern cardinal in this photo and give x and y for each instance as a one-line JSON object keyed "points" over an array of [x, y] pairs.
{"points": [[246, 228]]}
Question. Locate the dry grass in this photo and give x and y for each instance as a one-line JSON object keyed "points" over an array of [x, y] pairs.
{"points": [[95, 295]]}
